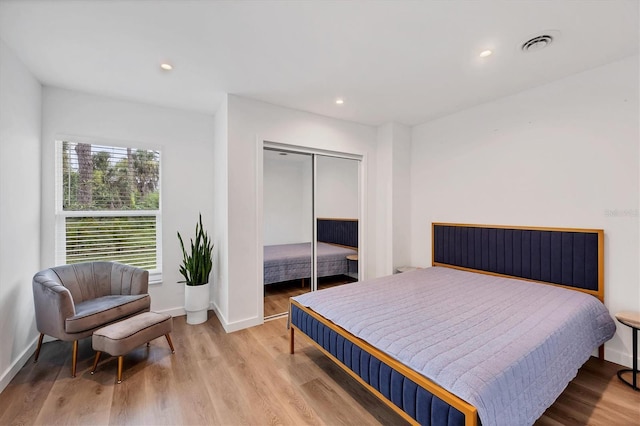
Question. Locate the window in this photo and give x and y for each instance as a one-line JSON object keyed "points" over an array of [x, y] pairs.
{"points": [[108, 205]]}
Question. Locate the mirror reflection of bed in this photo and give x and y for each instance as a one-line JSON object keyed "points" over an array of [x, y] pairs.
{"points": [[296, 187], [276, 296], [287, 267]]}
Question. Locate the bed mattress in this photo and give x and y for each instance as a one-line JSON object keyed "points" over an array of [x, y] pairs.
{"points": [[286, 262], [506, 346]]}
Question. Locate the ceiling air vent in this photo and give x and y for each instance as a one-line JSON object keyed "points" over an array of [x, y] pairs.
{"points": [[537, 43]]}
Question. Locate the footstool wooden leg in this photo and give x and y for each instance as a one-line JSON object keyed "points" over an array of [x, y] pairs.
{"points": [[120, 362], [35, 359], [139, 329], [95, 362], [74, 358], [173, 351]]}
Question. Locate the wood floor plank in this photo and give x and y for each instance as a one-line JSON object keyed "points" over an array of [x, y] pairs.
{"points": [[358, 399], [280, 378], [595, 397], [65, 405], [129, 401], [294, 410], [276, 295], [31, 386], [229, 407], [247, 378]]}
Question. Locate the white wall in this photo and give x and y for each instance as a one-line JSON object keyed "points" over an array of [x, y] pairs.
{"points": [[186, 141], [394, 201], [401, 196], [20, 120], [384, 200], [220, 233], [287, 189], [249, 123], [288, 208], [565, 154], [337, 187]]}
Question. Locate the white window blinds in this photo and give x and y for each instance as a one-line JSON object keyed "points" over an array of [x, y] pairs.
{"points": [[108, 205]]}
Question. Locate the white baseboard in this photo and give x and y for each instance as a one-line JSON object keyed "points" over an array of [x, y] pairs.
{"points": [[174, 312], [618, 357], [15, 367], [216, 310], [242, 324], [230, 327]]}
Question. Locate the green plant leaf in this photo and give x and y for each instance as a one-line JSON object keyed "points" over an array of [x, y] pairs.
{"points": [[198, 262]]}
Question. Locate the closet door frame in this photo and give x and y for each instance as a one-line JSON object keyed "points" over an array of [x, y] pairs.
{"points": [[297, 149]]}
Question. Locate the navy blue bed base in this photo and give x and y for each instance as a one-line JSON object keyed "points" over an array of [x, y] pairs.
{"points": [[415, 401]]}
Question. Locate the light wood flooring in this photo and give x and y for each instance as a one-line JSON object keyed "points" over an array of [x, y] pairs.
{"points": [[276, 295], [247, 377]]}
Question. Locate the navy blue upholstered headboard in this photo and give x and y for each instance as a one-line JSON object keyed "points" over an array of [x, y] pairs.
{"points": [[338, 231], [561, 256]]}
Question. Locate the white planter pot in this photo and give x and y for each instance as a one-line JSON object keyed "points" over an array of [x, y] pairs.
{"points": [[196, 303]]}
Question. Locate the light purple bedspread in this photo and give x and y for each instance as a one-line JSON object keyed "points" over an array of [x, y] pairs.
{"points": [[286, 262], [508, 347]]}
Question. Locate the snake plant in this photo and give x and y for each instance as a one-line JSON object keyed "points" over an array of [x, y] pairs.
{"points": [[196, 265]]}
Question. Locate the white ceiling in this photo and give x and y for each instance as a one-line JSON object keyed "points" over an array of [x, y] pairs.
{"points": [[402, 61]]}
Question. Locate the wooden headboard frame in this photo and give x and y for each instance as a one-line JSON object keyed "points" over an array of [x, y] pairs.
{"points": [[565, 257]]}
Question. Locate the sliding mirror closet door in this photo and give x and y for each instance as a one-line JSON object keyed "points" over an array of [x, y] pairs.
{"points": [[337, 205], [288, 227]]}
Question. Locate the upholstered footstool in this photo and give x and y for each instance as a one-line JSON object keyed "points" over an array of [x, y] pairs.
{"points": [[122, 337]]}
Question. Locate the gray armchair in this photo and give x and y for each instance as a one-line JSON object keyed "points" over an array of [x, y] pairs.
{"points": [[71, 301]]}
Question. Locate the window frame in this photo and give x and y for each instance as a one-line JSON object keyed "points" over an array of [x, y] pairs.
{"points": [[155, 275]]}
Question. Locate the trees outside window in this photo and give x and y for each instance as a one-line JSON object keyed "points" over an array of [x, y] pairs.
{"points": [[108, 205]]}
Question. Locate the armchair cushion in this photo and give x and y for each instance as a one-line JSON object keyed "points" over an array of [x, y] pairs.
{"points": [[104, 310]]}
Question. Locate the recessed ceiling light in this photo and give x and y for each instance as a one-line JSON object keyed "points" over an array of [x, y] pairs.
{"points": [[485, 53], [165, 66], [339, 101]]}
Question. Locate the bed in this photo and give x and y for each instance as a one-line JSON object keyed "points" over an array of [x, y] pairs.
{"points": [[476, 338], [287, 262], [337, 239]]}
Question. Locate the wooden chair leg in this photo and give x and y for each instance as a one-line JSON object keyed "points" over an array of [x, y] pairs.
{"points": [[35, 359], [291, 340], [601, 352], [95, 361], [173, 351], [120, 362], [74, 358]]}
